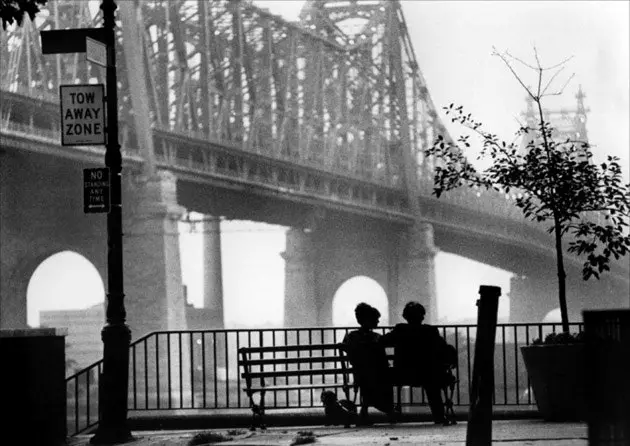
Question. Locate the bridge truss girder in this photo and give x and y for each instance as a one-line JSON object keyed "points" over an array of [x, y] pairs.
{"points": [[229, 72]]}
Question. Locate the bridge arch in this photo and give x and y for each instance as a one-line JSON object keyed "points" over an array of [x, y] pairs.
{"points": [[553, 316], [353, 291], [15, 300], [343, 265], [67, 277]]}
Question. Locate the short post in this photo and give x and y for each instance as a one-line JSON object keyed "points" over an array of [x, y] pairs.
{"points": [[115, 334], [479, 430]]}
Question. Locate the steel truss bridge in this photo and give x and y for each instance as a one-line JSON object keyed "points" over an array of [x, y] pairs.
{"points": [[331, 110]]}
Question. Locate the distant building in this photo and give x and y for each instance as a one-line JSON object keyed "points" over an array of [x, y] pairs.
{"points": [[83, 343]]}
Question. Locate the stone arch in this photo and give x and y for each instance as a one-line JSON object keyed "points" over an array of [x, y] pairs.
{"points": [[344, 265], [354, 290], [14, 302], [75, 285], [552, 316]]}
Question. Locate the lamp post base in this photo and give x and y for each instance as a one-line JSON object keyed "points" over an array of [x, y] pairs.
{"points": [[113, 386]]}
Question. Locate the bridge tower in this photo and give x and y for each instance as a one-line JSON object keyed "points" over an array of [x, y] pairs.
{"points": [[381, 98]]}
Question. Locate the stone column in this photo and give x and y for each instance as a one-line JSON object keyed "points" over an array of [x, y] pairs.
{"points": [[153, 275], [212, 273], [416, 273], [153, 285], [300, 308]]}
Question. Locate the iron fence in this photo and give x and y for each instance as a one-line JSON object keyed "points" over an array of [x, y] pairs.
{"points": [[187, 371]]}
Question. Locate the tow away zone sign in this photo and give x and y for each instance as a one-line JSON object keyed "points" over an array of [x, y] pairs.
{"points": [[82, 114]]}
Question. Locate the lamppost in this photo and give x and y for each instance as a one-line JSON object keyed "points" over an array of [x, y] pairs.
{"points": [[116, 335]]}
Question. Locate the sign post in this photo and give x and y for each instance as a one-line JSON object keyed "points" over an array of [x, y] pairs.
{"points": [[114, 383]]}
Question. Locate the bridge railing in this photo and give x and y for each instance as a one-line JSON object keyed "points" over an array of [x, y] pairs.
{"points": [[488, 202], [191, 371]]}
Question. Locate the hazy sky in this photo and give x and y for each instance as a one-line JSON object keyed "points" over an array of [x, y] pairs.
{"points": [[453, 44]]}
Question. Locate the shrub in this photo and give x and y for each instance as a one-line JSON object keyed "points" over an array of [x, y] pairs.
{"points": [[561, 338]]}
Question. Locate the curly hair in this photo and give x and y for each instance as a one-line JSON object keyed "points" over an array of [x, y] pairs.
{"points": [[365, 312], [413, 311]]}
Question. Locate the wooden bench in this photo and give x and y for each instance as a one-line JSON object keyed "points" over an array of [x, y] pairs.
{"points": [[314, 363], [292, 368]]}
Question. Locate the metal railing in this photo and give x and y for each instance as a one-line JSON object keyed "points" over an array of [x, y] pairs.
{"points": [[188, 371]]}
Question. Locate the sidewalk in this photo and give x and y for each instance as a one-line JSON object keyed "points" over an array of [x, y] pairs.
{"points": [[506, 432]]}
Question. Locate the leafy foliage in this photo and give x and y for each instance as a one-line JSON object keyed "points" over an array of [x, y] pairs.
{"points": [[13, 10], [561, 338], [551, 180], [557, 181]]}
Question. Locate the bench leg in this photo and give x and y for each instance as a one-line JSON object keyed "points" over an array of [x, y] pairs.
{"points": [[398, 406], [261, 409], [258, 412], [449, 413], [255, 417]]}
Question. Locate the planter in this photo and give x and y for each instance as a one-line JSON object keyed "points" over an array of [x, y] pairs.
{"points": [[557, 377]]}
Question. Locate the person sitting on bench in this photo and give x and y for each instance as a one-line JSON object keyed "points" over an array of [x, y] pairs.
{"points": [[419, 352], [369, 361]]}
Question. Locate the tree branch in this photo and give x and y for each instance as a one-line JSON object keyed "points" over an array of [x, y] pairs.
{"points": [[496, 53], [558, 93], [559, 64], [507, 53], [551, 80]]}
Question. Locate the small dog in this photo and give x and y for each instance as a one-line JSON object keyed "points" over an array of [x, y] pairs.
{"points": [[338, 411]]}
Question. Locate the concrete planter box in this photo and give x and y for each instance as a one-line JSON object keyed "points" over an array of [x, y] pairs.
{"points": [[557, 375]]}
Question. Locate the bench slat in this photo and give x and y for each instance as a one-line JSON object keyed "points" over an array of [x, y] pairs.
{"points": [[290, 348], [289, 373], [303, 360], [296, 387]]}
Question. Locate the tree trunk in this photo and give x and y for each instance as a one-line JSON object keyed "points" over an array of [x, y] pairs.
{"points": [[562, 288]]}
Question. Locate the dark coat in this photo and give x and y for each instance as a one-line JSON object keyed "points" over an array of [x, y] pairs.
{"points": [[419, 352], [371, 369]]}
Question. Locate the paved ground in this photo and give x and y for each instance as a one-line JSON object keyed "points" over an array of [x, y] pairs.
{"points": [[504, 432]]}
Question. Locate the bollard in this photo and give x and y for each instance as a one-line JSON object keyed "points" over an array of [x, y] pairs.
{"points": [[479, 429], [607, 364]]}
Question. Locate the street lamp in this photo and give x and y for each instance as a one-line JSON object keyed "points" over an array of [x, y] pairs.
{"points": [[114, 384]]}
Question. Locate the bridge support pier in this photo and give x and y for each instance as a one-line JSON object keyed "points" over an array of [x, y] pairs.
{"points": [[212, 273], [152, 267], [416, 272], [300, 308], [535, 295], [531, 298]]}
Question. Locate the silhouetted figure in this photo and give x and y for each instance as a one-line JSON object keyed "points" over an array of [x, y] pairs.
{"points": [[419, 356], [369, 361]]}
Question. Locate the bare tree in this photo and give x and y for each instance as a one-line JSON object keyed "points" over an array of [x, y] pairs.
{"points": [[552, 179]]}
